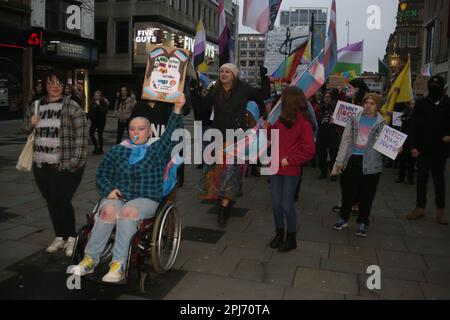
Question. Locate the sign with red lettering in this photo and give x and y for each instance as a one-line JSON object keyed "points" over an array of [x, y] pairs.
{"points": [[390, 142], [344, 111]]}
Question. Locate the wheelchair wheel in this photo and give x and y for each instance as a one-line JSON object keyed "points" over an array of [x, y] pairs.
{"points": [[166, 237]]}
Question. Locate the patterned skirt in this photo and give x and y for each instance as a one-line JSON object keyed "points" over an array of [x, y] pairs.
{"points": [[221, 181]]}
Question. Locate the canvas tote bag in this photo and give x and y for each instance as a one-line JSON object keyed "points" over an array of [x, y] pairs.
{"points": [[26, 156]]}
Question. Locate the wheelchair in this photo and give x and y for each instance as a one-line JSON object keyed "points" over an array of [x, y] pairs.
{"points": [[153, 248]]}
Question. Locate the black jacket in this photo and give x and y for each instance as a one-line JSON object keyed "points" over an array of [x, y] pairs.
{"points": [[98, 112], [232, 113], [428, 125]]}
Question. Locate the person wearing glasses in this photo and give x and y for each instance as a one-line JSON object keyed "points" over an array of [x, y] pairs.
{"points": [[59, 156]]}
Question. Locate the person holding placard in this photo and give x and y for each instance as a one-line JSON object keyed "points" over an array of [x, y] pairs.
{"points": [[359, 163], [429, 135]]}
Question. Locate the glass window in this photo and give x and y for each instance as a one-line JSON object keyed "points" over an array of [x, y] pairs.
{"points": [[251, 63], [122, 36], [412, 39], [403, 40], [101, 35], [243, 63], [429, 43]]}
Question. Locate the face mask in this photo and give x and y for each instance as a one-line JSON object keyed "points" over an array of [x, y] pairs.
{"points": [[436, 93]]}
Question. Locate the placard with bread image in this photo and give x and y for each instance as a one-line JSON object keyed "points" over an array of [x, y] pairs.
{"points": [[165, 74]]}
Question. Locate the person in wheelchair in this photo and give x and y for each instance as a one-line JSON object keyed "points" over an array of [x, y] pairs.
{"points": [[130, 179]]}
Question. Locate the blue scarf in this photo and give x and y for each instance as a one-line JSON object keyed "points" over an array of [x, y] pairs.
{"points": [[137, 152]]}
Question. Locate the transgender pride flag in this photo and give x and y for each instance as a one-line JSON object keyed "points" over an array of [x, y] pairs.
{"points": [[257, 15]]}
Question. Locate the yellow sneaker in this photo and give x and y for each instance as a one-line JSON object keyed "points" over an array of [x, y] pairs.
{"points": [[115, 274], [86, 266]]}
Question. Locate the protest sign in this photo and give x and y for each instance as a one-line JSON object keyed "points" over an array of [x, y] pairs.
{"points": [[344, 111], [397, 119], [336, 82], [390, 142], [165, 74], [421, 85]]}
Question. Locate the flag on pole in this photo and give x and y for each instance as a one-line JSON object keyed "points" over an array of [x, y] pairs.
{"points": [[350, 58], [426, 71], [383, 69], [200, 45], [313, 77], [274, 8], [224, 36], [286, 70], [401, 91], [318, 41], [307, 56], [256, 15], [330, 56]]}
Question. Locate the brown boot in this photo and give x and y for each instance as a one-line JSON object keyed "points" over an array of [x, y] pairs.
{"points": [[441, 217], [417, 213]]}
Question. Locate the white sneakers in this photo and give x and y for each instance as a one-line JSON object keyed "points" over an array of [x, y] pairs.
{"points": [[86, 266], [115, 273], [69, 246], [57, 244], [60, 244]]}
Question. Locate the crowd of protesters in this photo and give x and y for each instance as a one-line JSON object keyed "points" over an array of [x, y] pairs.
{"points": [[307, 135]]}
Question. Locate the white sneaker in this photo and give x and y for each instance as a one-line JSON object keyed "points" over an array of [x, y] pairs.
{"points": [[86, 266], [56, 245], [70, 246], [115, 273]]}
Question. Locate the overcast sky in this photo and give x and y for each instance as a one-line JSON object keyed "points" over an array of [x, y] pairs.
{"points": [[355, 12]]}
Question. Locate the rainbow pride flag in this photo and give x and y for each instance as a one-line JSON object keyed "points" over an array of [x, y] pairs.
{"points": [[286, 70]]}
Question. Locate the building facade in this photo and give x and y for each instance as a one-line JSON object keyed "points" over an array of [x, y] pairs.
{"points": [[15, 57], [406, 41], [251, 50], [436, 41], [125, 28], [66, 29]]}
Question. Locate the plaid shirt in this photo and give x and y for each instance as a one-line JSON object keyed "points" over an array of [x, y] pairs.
{"points": [[73, 133], [144, 179]]}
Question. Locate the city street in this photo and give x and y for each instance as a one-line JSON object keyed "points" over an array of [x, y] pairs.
{"points": [[234, 262]]}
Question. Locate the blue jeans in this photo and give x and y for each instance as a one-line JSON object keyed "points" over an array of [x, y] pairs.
{"points": [[283, 193], [126, 227]]}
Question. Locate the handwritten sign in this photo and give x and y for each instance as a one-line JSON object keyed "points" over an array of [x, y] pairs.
{"points": [[397, 119], [421, 84], [165, 73], [336, 82], [390, 142], [344, 111]]}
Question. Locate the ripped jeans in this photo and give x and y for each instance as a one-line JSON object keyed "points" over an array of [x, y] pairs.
{"points": [[125, 216]]}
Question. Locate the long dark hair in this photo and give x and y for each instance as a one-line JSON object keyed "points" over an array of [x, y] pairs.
{"points": [[293, 100], [219, 89]]}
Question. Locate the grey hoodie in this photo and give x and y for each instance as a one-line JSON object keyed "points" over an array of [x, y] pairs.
{"points": [[372, 159]]}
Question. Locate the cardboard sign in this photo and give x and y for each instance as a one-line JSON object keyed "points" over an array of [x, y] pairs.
{"points": [[390, 142], [397, 119], [421, 85], [165, 74], [336, 82], [344, 111]]}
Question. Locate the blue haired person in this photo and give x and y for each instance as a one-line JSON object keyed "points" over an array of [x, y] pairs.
{"points": [[130, 178]]}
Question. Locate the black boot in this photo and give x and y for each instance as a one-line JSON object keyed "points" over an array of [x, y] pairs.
{"points": [[278, 239], [224, 215], [95, 150], [289, 244]]}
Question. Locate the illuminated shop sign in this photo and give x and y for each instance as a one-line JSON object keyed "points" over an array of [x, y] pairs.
{"points": [[158, 36]]}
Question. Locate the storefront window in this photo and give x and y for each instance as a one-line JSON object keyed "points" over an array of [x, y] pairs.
{"points": [[122, 36]]}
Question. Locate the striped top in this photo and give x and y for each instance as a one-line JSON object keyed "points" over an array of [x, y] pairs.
{"points": [[365, 128], [47, 135]]}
